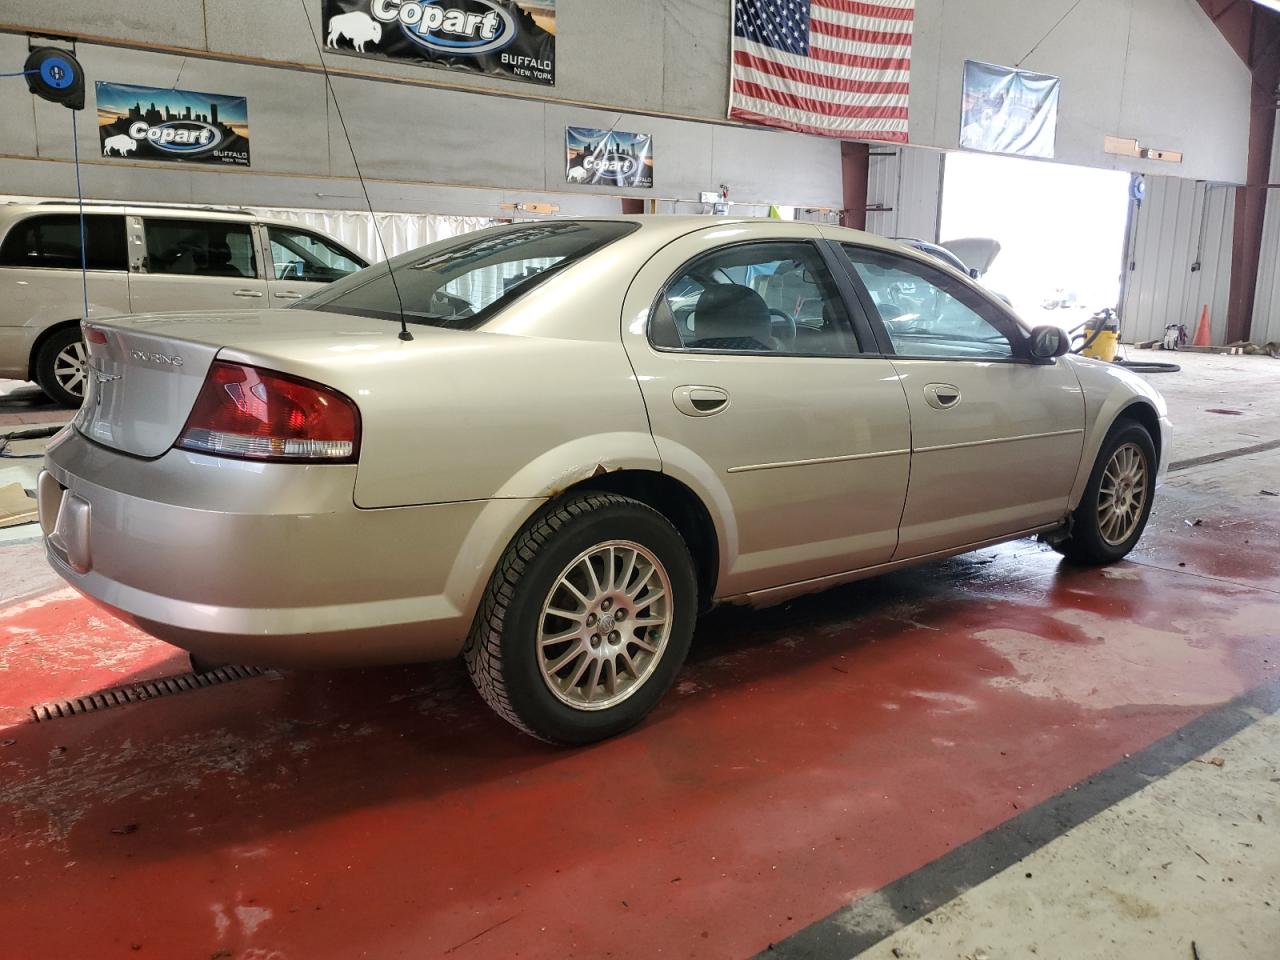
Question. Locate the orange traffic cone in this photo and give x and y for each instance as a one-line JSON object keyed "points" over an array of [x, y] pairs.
{"points": [[1203, 338]]}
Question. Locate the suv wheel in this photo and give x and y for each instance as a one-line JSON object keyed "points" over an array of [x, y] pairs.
{"points": [[1117, 501], [62, 367], [586, 621]]}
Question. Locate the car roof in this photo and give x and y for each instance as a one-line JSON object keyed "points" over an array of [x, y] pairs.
{"points": [[20, 209]]}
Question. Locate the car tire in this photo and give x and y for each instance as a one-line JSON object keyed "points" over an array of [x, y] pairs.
{"points": [[62, 364], [643, 575], [1117, 500]]}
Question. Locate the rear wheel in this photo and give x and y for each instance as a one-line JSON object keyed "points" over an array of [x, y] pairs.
{"points": [[1117, 501], [62, 367], [586, 621]]}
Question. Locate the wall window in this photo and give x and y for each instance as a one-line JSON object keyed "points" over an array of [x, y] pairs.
{"points": [[928, 313], [299, 255], [53, 240], [206, 248], [773, 297]]}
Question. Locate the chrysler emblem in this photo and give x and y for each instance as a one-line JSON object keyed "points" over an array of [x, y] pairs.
{"points": [[103, 377]]}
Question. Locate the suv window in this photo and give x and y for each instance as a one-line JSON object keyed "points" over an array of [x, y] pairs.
{"points": [[768, 297], [53, 240], [299, 255], [929, 313], [205, 248]]}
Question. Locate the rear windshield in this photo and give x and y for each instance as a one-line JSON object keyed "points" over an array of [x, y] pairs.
{"points": [[460, 283]]}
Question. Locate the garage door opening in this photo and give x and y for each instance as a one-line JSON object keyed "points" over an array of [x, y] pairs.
{"points": [[1061, 230]]}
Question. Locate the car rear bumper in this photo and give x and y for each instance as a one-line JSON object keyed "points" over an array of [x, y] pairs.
{"points": [[267, 564]]}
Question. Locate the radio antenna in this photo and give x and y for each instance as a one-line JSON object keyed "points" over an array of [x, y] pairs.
{"points": [[377, 231]]}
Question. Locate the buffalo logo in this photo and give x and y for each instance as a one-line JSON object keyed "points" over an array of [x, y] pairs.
{"points": [[182, 137], [483, 27], [356, 27]]}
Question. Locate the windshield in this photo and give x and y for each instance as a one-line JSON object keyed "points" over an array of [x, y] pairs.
{"points": [[462, 282]]}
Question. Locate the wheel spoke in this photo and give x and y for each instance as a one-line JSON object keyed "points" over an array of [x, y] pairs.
{"points": [[593, 678], [558, 664], [573, 616], [577, 674], [595, 580], [644, 645], [641, 583], [581, 597], [628, 571], [553, 639]]}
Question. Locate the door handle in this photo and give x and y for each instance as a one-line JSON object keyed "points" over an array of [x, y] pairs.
{"points": [[288, 295], [941, 396], [700, 401], [248, 293]]}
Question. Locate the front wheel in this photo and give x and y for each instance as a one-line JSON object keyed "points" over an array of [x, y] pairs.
{"points": [[1117, 501], [586, 621], [62, 367]]}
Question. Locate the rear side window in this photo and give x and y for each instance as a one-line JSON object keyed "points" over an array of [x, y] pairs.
{"points": [[204, 248], [460, 283], [53, 241]]}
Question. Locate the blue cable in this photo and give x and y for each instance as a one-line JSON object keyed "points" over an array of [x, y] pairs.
{"points": [[84, 259]]}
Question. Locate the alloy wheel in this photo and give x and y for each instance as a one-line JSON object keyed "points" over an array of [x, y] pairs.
{"points": [[605, 625], [1122, 494], [71, 367]]}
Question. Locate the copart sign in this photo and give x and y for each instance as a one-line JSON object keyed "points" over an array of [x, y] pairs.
{"points": [[147, 123], [608, 157], [498, 37]]}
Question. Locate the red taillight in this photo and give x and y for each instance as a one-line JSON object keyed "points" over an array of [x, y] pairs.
{"points": [[94, 335], [260, 415]]}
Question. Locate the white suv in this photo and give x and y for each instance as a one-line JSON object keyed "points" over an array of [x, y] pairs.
{"points": [[141, 259]]}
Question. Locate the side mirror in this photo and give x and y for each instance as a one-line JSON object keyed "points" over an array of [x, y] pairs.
{"points": [[1048, 343]]}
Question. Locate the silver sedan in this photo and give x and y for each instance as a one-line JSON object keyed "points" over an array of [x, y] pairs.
{"points": [[549, 446]]}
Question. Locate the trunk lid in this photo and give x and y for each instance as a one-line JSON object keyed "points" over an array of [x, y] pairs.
{"points": [[143, 381]]}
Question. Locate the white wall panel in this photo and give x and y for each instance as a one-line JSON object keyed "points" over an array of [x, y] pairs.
{"points": [[1266, 305], [907, 181], [1181, 256]]}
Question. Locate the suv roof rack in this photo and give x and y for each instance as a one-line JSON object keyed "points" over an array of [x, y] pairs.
{"points": [[72, 201]]}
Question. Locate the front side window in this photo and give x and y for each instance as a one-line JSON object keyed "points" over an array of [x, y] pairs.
{"points": [[771, 298], [204, 248], [929, 313], [53, 241], [300, 255], [461, 282]]}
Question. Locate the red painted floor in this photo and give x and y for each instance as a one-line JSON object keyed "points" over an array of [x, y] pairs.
{"points": [[808, 755]]}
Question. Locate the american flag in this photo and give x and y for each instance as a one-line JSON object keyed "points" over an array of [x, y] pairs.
{"points": [[839, 68]]}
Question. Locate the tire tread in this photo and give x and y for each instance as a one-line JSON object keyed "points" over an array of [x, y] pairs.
{"points": [[483, 649]]}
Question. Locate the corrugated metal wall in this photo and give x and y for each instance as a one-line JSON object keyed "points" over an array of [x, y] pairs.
{"points": [[1266, 306], [1180, 249], [907, 183]]}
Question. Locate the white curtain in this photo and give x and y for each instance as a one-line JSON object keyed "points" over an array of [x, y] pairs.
{"points": [[400, 231]]}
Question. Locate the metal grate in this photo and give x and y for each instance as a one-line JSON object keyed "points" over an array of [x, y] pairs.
{"points": [[151, 690]]}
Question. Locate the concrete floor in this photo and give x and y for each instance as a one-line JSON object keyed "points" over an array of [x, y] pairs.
{"points": [[873, 771]]}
